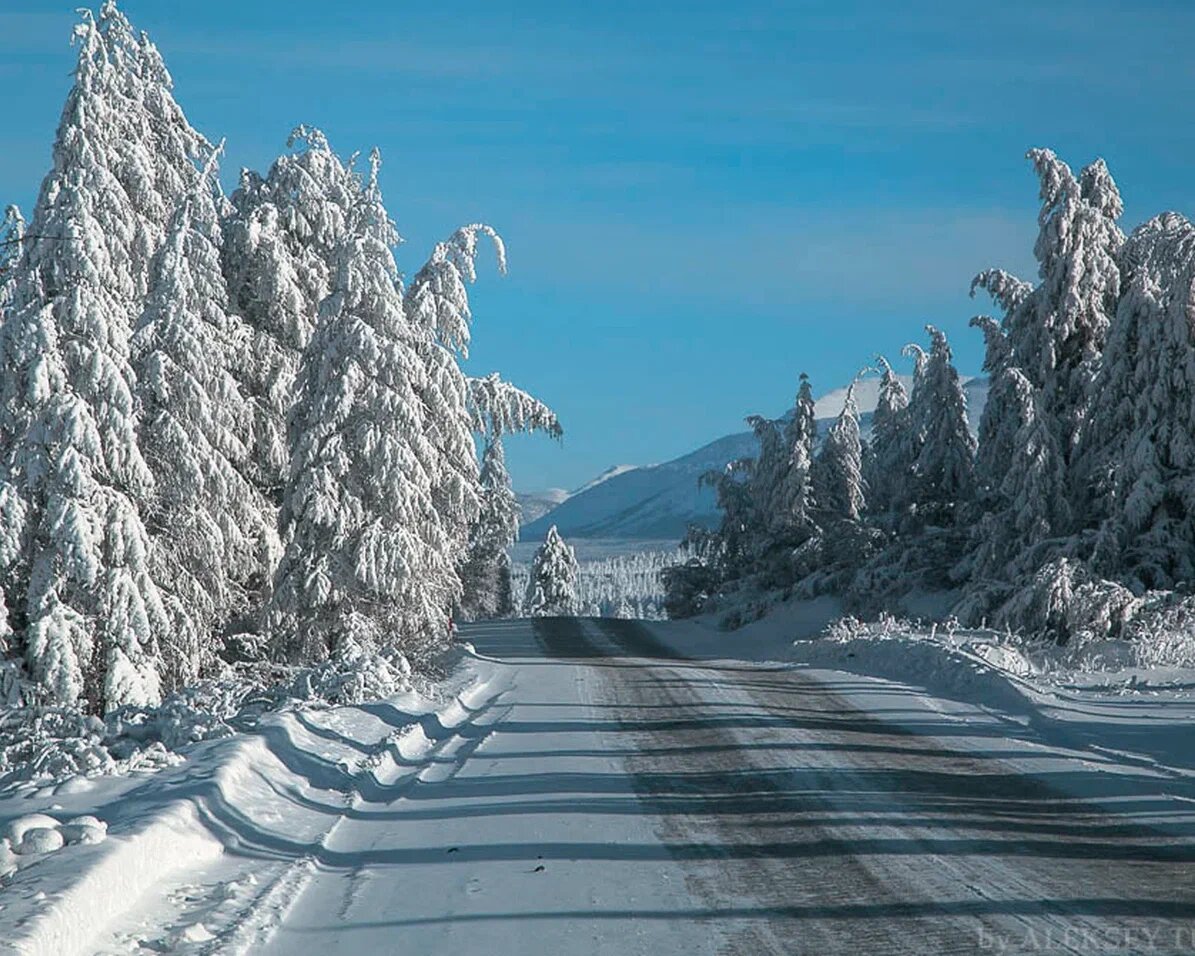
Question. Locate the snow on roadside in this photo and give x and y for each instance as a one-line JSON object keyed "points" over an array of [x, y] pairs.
{"points": [[276, 789], [1109, 699], [1132, 714]]}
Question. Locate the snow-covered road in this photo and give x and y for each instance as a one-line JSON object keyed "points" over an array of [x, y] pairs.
{"points": [[587, 790]]}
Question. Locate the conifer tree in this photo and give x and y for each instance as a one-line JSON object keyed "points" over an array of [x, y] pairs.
{"points": [[766, 479], [208, 522], [368, 557], [794, 501], [123, 160], [1056, 331], [888, 467], [841, 489], [1024, 507], [552, 587], [12, 234], [485, 577], [282, 236], [1139, 453], [1004, 412], [943, 470]]}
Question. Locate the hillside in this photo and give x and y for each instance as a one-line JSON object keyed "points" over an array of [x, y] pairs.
{"points": [[661, 501]]}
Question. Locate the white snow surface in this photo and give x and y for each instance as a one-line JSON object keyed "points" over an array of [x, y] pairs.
{"points": [[344, 829], [1093, 700]]}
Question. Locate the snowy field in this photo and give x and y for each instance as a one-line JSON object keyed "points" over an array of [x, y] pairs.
{"points": [[564, 780], [594, 549]]}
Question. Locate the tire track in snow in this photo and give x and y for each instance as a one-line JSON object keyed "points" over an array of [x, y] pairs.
{"points": [[895, 878]]}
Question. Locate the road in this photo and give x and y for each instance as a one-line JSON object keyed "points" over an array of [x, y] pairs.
{"points": [[626, 800]]}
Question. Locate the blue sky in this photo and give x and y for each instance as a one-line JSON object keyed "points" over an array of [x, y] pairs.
{"points": [[701, 200]]}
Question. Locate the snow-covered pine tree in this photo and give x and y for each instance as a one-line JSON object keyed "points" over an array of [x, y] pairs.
{"points": [[124, 157], [766, 480], [552, 587], [438, 301], [12, 234], [210, 526], [485, 577], [281, 241], [1022, 510], [841, 490], [368, 556], [1056, 331], [1139, 453], [943, 471], [888, 467]]}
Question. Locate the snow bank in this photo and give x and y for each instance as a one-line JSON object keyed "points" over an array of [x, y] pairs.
{"points": [[103, 884], [1135, 715], [67, 875], [1128, 702]]}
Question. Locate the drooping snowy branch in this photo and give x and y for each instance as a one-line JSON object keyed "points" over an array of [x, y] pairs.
{"points": [[1006, 290], [500, 408], [438, 296]]}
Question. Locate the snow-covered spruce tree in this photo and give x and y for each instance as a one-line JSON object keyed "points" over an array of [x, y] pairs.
{"points": [[486, 578], [497, 408], [124, 157], [1023, 509], [795, 502], [1055, 332], [943, 470], [766, 480], [209, 524], [552, 587], [888, 467], [368, 556], [1003, 414], [1139, 452], [480, 519], [841, 490], [281, 241], [1059, 329], [12, 234]]}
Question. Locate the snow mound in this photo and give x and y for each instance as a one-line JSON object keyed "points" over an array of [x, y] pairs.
{"points": [[40, 840], [17, 829]]}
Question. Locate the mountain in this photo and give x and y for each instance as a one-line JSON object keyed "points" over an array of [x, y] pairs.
{"points": [[661, 501], [534, 504]]}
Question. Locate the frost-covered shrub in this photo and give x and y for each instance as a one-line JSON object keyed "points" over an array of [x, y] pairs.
{"points": [[353, 675], [689, 588], [53, 743], [1064, 600], [1163, 632], [849, 628]]}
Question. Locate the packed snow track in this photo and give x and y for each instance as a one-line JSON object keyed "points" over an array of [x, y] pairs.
{"points": [[588, 790]]}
